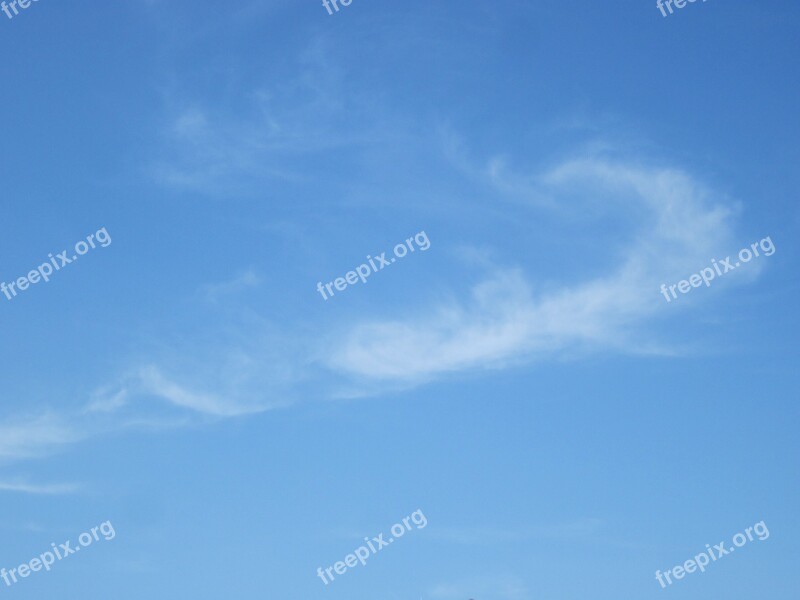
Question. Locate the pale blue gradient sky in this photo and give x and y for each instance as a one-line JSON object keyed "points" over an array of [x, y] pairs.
{"points": [[565, 431]]}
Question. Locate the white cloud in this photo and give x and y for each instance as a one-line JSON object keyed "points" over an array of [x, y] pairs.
{"points": [[104, 401], [51, 489], [243, 280], [152, 381], [502, 320], [35, 437], [297, 113]]}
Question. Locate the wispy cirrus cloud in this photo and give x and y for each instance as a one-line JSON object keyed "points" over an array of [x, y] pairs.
{"points": [[678, 224], [245, 279], [277, 128], [136, 391], [51, 489], [151, 380], [37, 436]]}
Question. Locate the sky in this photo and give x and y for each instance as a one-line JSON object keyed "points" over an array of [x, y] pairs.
{"points": [[566, 427]]}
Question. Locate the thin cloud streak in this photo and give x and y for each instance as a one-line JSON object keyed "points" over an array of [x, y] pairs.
{"points": [[53, 489], [34, 437]]}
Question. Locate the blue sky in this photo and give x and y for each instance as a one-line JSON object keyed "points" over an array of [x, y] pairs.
{"points": [[564, 429]]}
